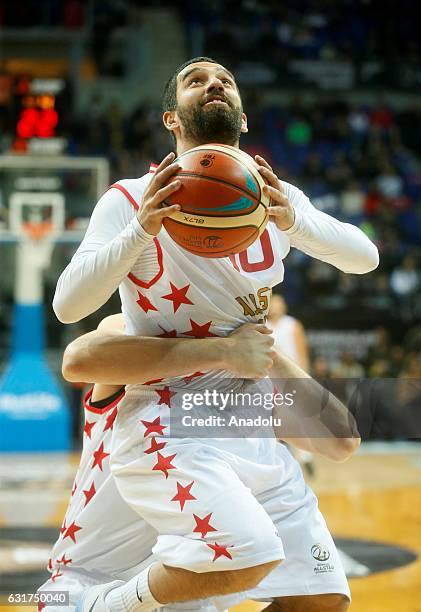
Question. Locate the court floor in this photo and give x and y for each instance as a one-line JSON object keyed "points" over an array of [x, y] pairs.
{"points": [[372, 504]]}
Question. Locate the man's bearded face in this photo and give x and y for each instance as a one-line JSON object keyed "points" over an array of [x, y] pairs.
{"points": [[213, 121]]}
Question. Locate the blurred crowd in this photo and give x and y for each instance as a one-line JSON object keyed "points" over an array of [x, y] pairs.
{"points": [[384, 359], [365, 33], [274, 32]]}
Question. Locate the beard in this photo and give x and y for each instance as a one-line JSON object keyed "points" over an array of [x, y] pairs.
{"points": [[216, 124]]}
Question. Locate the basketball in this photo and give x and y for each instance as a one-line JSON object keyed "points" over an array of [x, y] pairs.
{"points": [[223, 206]]}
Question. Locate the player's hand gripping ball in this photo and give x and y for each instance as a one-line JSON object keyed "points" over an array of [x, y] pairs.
{"points": [[224, 206]]}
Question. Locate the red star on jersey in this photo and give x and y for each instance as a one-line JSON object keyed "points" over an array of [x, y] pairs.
{"points": [[168, 334], [63, 526], [63, 560], [144, 303], [71, 530], [41, 607], [74, 488], [165, 396], [183, 494], [178, 296], [154, 427], [89, 493], [164, 464], [56, 575], [188, 379], [99, 457], [88, 428], [199, 331], [202, 525], [220, 551], [155, 446], [109, 422]]}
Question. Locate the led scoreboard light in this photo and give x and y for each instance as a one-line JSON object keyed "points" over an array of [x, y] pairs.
{"points": [[38, 115]]}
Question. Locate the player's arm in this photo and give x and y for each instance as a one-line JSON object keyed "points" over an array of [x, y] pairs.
{"points": [[314, 232], [114, 240], [112, 358], [317, 421]]}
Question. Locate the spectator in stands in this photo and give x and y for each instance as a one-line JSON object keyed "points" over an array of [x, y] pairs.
{"points": [[389, 183], [289, 333], [352, 200], [348, 367], [405, 279], [320, 368]]}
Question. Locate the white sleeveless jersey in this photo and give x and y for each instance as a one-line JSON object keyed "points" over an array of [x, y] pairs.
{"points": [[98, 524], [171, 292], [283, 333]]}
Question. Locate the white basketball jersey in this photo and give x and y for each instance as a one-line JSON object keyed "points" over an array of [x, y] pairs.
{"points": [[171, 292]]}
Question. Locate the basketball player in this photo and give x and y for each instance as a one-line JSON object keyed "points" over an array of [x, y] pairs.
{"points": [[112, 541], [101, 537], [290, 339], [227, 538], [288, 332]]}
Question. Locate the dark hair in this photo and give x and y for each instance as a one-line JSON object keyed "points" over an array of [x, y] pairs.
{"points": [[169, 98]]}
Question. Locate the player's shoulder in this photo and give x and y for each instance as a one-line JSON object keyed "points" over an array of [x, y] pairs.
{"points": [[130, 190], [134, 186]]}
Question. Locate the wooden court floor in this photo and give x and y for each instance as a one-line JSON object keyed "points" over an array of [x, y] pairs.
{"points": [[375, 496]]}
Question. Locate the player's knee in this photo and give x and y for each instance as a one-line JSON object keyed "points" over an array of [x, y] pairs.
{"points": [[329, 602], [338, 603]]}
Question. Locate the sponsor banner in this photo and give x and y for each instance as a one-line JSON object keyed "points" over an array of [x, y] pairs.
{"points": [[33, 411]]}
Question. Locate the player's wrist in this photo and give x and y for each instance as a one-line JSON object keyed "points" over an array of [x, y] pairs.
{"points": [[228, 353], [142, 229], [296, 224]]}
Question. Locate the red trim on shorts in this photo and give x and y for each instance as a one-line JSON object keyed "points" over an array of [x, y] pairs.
{"points": [[105, 408]]}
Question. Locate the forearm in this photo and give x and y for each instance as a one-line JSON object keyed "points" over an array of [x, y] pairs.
{"points": [[340, 244], [110, 359], [317, 421], [93, 275]]}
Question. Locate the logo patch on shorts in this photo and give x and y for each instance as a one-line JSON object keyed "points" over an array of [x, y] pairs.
{"points": [[321, 553]]}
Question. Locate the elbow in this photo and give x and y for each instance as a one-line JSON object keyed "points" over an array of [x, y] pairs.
{"points": [[344, 448], [63, 314], [372, 259], [73, 368], [367, 261]]}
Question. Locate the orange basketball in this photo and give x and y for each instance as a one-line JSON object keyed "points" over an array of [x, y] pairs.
{"points": [[223, 206]]}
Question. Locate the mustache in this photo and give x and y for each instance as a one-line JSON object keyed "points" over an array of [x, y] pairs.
{"points": [[216, 97]]}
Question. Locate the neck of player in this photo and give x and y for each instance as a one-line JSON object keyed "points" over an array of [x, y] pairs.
{"points": [[186, 145]]}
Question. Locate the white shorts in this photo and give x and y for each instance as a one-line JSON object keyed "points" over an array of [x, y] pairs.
{"points": [[215, 505], [305, 536], [223, 504]]}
